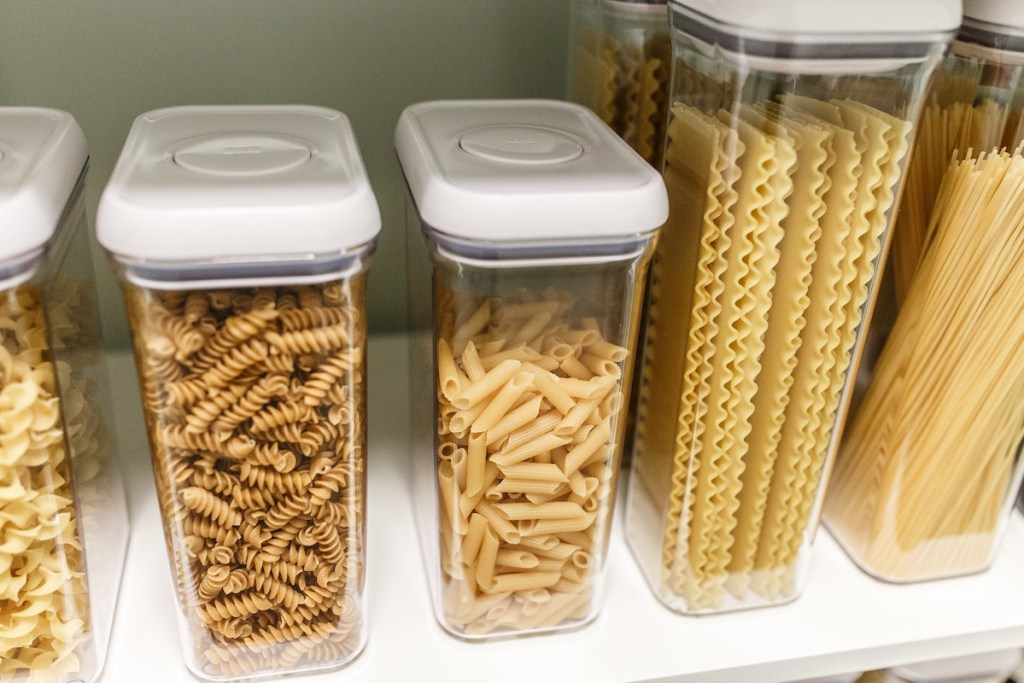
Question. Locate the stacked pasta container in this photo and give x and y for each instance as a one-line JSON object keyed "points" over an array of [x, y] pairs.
{"points": [[538, 223], [789, 129], [242, 236], [63, 520], [930, 463], [619, 66]]}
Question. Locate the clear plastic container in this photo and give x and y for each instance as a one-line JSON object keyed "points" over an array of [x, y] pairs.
{"points": [[789, 128], [930, 461], [538, 224], [63, 519], [620, 66], [242, 236]]}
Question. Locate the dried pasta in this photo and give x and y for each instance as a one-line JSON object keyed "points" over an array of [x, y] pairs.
{"points": [[785, 206], [924, 475], [626, 83], [524, 482], [258, 440], [44, 611]]}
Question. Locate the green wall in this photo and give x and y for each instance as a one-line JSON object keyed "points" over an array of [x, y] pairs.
{"points": [[106, 61]]}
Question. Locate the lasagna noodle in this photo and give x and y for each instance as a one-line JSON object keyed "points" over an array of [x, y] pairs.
{"points": [[771, 164], [823, 305], [802, 230], [715, 241], [687, 175]]}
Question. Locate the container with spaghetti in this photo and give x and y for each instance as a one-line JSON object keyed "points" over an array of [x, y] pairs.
{"points": [[930, 461], [790, 124], [242, 236], [538, 223], [620, 62], [63, 519]]}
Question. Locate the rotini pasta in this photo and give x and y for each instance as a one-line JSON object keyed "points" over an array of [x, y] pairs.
{"points": [[258, 434]]}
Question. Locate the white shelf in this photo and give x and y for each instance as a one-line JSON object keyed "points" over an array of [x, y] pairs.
{"points": [[844, 622]]}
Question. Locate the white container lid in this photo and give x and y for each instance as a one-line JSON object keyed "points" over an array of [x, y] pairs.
{"points": [[1007, 14], [42, 154], [211, 183], [874, 19], [525, 170], [967, 669]]}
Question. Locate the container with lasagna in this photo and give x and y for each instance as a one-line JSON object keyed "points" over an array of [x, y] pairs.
{"points": [[790, 126]]}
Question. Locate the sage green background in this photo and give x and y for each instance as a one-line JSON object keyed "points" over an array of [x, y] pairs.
{"points": [[106, 61]]}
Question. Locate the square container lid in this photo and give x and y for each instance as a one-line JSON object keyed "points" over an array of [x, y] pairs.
{"points": [[525, 170], [209, 183], [1006, 14], [42, 155], [855, 20]]}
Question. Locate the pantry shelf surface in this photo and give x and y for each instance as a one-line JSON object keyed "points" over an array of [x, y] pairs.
{"points": [[845, 621]]}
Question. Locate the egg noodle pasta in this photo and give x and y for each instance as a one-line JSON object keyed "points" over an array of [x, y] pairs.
{"points": [[924, 472], [518, 529], [785, 205], [47, 424], [259, 465]]}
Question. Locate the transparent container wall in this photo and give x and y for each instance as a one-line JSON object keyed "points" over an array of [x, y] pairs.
{"points": [[255, 404], [930, 461], [63, 520], [782, 184], [530, 365], [620, 67]]}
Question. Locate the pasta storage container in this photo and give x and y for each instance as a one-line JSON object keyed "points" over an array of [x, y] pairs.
{"points": [[538, 224], [930, 464], [63, 519], [243, 236], [789, 129], [619, 66]]}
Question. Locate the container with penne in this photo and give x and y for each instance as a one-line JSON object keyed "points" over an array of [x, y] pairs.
{"points": [[930, 462], [620, 66], [530, 229], [785, 152], [243, 236], [63, 519]]}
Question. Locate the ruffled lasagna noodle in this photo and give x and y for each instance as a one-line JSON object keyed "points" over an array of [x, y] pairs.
{"points": [[626, 84]]}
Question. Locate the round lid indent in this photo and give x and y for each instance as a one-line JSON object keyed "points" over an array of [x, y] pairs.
{"points": [[521, 145], [242, 154]]}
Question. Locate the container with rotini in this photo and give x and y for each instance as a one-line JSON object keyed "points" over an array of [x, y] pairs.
{"points": [[250, 344], [784, 158], [524, 318], [930, 463], [63, 520], [620, 63]]}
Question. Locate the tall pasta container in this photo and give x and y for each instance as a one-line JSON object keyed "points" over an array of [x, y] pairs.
{"points": [[790, 126], [531, 226], [620, 64], [930, 463], [63, 520], [242, 236]]}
